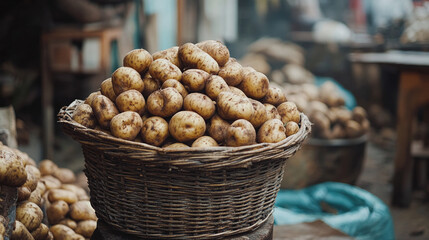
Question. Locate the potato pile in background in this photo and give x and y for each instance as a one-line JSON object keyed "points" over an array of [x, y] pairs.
{"points": [[193, 95], [325, 108], [69, 214]]}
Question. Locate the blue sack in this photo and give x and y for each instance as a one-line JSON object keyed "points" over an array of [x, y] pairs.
{"points": [[350, 209]]}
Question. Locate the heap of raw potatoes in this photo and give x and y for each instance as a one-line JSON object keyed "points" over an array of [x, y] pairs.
{"points": [[192, 95]]}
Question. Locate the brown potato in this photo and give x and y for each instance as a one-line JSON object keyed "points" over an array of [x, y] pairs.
{"points": [[91, 97], [163, 70], [272, 131], [237, 91], [254, 85], [232, 73], [275, 96], [65, 175], [138, 59], [320, 122], [177, 85], [246, 70], [186, 126], [41, 232], [272, 112], [240, 133], [171, 54], [217, 128], [62, 194], [215, 85], [104, 110], [366, 125], [289, 112], [84, 115], [126, 78], [205, 141], [176, 145], [29, 214], [131, 100], [232, 107], [150, 85], [50, 182], [107, 89], [82, 210], [165, 102], [47, 167], [62, 232], [12, 171], [32, 177], [353, 129], [291, 128], [216, 50], [86, 228], [259, 115], [200, 104], [36, 197], [193, 57], [154, 131], [20, 232], [195, 79], [69, 223], [126, 125], [343, 115], [80, 192], [338, 131], [23, 193], [359, 114]]}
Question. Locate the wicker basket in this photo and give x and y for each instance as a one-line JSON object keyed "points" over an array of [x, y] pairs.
{"points": [[193, 193]]}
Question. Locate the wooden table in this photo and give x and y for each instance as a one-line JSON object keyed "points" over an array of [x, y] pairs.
{"points": [[413, 94]]}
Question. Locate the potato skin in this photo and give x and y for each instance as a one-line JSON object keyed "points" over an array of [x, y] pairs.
{"points": [[171, 54], [154, 131], [138, 59], [275, 96], [163, 70], [24, 193], [289, 112], [80, 192], [165, 102], [131, 100], [259, 115], [193, 57], [65, 175], [62, 232], [106, 89], [237, 91], [216, 50], [272, 112], [176, 145], [84, 115], [291, 128], [215, 85], [20, 232], [47, 167], [232, 73], [254, 85], [232, 107], [150, 85], [205, 141], [195, 79], [40, 233], [240, 133], [126, 78], [200, 104], [69, 223], [82, 210], [60, 194], [272, 131], [86, 228], [50, 182], [12, 171], [29, 214], [91, 97], [217, 128], [126, 125], [186, 126], [104, 110], [177, 85]]}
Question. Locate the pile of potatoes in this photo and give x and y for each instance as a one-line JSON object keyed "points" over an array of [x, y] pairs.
{"points": [[326, 109], [194, 95]]}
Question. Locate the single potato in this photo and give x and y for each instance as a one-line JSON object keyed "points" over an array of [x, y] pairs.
{"points": [[240, 133], [65, 175], [20, 232], [86, 228], [91, 97], [150, 85], [104, 110], [126, 78], [193, 57], [359, 114], [69, 223], [47, 167], [217, 128], [254, 85], [176, 145], [126, 125], [163, 70], [171, 54], [289, 112], [82, 210], [186, 126], [138, 59], [275, 96], [12, 170], [195, 79], [232, 107], [215, 85], [80, 192], [237, 91], [60, 194], [200, 104], [232, 73], [259, 115], [216, 50], [177, 85], [50, 182], [154, 131], [165, 102], [84, 115], [106, 88], [272, 131], [41, 232], [205, 141], [29, 214], [63, 232], [291, 128], [353, 129], [131, 100], [272, 112]]}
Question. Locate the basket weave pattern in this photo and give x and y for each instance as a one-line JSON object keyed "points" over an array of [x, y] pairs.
{"points": [[191, 193]]}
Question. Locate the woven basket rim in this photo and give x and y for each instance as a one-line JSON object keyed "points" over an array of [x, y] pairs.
{"points": [[196, 155]]}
